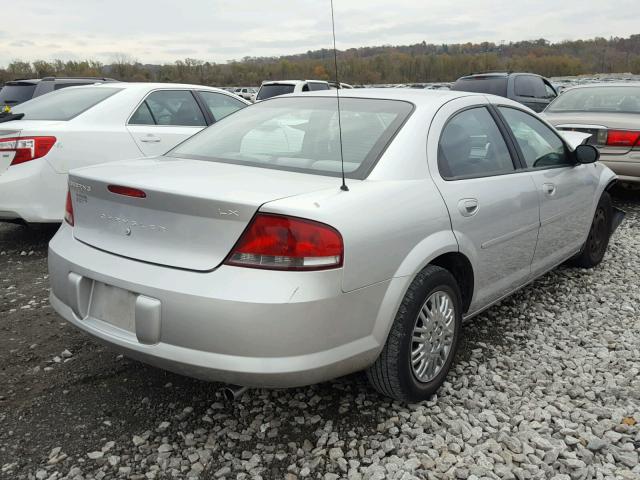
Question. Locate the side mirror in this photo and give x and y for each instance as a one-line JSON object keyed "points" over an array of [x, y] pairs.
{"points": [[587, 154]]}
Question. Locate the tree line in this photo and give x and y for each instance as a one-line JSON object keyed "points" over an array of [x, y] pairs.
{"points": [[416, 63]]}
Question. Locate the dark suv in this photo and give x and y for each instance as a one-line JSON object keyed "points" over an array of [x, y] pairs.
{"points": [[18, 91], [532, 90]]}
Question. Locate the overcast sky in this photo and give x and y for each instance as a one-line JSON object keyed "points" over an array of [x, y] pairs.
{"points": [[161, 31]]}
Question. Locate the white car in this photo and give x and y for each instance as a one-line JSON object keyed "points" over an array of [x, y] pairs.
{"points": [[283, 87], [248, 93], [46, 137]]}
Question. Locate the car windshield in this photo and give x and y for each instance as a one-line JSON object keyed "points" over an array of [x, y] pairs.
{"points": [[274, 89], [491, 85], [64, 104], [302, 135], [14, 94], [619, 99]]}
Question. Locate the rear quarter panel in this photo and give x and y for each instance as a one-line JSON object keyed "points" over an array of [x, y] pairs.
{"points": [[86, 145], [389, 228]]}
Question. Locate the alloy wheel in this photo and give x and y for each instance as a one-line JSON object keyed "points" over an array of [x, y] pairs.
{"points": [[432, 337]]}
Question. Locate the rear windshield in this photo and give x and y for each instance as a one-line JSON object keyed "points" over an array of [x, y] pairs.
{"points": [[490, 85], [598, 99], [64, 104], [301, 135], [15, 94], [273, 90]]}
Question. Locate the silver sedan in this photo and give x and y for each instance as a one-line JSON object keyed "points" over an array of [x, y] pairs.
{"points": [[238, 257]]}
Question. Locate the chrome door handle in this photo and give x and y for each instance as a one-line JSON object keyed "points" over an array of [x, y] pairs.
{"points": [[150, 139], [468, 207], [549, 188]]}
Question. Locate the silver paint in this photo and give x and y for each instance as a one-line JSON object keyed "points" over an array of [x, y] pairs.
{"points": [[276, 328]]}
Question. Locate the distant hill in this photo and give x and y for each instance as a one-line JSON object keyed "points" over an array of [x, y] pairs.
{"points": [[420, 62]]}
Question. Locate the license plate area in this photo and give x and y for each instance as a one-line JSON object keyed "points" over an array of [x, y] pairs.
{"points": [[114, 306]]}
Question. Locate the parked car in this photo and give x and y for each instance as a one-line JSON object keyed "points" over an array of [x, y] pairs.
{"points": [[532, 90], [80, 126], [610, 114], [237, 257], [245, 92], [15, 92], [282, 87]]}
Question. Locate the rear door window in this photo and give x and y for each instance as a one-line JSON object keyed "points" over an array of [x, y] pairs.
{"points": [[142, 116], [471, 146], [169, 107], [529, 86], [64, 104], [220, 105]]}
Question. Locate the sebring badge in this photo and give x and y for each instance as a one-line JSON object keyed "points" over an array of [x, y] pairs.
{"points": [[79, 186]]}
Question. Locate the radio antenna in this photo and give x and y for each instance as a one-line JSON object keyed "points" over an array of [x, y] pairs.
{"points": [[343, 187]]}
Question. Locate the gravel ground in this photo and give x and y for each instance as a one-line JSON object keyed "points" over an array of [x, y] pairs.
{"points": [[547, 386]]}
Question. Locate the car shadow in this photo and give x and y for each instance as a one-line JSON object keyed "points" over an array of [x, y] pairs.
{"points": [[26, 236]]}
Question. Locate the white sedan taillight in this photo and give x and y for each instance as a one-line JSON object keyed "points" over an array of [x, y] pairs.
{"points": [[278, 242], [26, 148]]}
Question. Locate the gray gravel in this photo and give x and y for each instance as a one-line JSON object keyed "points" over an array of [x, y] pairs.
{"points": [[547, 386]]}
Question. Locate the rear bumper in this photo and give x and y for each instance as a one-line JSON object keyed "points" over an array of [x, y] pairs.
{"points": [[234, 325], [627, 167], [32, 192]]}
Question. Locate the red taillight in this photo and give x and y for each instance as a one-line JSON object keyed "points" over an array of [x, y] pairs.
{"points": [[277, 242], [26, 148], [623, 138], [68, 210], [126, 191]]}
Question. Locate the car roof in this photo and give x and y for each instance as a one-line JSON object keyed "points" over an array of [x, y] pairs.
{"points": [[153, 86], [292, 82], [413, 95], [605, 84], [23, 81], [496, 75], [488, 74]]}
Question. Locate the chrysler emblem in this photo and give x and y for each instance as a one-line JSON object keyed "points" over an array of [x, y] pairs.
{"points": [[127, 232]]}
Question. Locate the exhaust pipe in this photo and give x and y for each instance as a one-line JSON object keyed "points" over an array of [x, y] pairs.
{"points": [[231, 393]]}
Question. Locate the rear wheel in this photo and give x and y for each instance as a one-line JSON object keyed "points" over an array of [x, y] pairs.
{"points": [[595, 247], [423, 340]]}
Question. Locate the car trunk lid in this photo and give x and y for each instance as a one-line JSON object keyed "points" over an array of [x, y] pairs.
{"points": [[193, 211], [597, 126]]}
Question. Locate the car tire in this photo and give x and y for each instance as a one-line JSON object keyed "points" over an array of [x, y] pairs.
{"points": [[596, 244], [395, 373]]}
